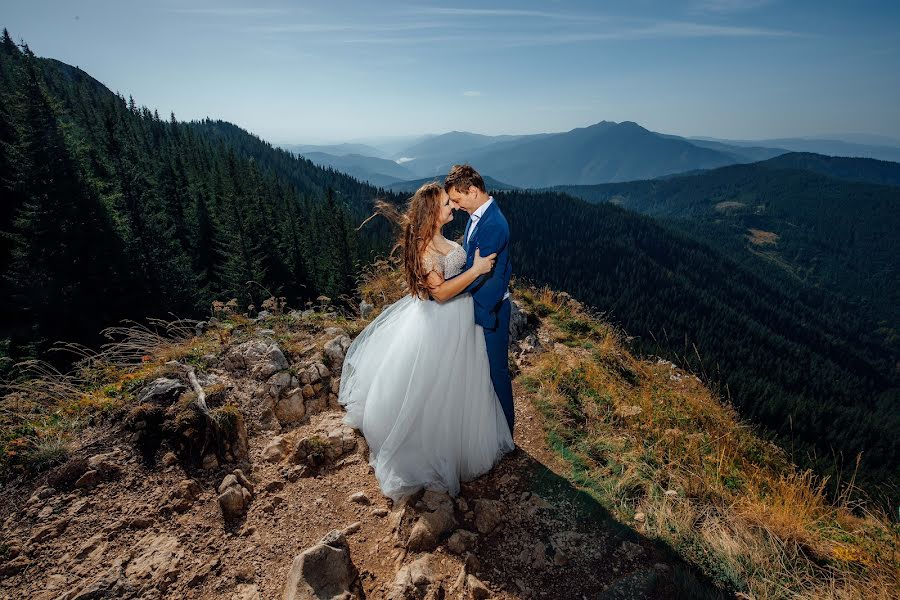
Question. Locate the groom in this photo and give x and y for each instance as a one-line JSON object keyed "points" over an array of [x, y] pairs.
{"points": [[488, 230]]}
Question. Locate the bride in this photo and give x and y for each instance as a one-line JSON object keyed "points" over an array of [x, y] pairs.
{"points": [[416, 380]]}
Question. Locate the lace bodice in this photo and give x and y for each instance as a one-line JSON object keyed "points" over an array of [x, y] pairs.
{"points": [[447, 265]]}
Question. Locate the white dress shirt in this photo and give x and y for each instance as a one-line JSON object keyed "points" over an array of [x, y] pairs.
{"points": [[475, 217]]}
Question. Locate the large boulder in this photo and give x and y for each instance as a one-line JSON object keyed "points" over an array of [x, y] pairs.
{"points": [[324, 571], [431, 526]]}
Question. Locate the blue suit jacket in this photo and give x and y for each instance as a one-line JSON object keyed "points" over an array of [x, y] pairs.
{"points": [[491, 235]]}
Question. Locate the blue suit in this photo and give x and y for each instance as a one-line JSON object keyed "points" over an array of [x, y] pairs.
{"points": [[491, 310]]}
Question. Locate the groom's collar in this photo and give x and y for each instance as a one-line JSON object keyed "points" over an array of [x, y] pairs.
{"points": [[479, 212]]}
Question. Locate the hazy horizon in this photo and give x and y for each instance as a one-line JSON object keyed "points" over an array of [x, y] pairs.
{"points": [[848, 136], [326, 73]]}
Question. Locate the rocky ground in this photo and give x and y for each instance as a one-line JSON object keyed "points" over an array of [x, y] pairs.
{"points": [[289, 508]]}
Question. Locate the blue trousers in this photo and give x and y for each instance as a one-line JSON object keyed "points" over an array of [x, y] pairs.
{"points": [[497, 341]]}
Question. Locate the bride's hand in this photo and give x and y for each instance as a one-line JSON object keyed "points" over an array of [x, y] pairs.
{"points": [[483, 264]]}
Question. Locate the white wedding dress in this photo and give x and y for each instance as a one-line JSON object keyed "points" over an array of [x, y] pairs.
{"points": [[417, 384]]}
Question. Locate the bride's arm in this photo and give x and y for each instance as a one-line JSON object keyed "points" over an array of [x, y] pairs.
{"points": [[445, 289]]}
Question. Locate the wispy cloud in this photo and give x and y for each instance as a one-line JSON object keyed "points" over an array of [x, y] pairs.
{"points": [[659, 30], [230, 12], [362, 28], [727, 6], [499, 12], [689, 29], [472, 93], [653, 30]]}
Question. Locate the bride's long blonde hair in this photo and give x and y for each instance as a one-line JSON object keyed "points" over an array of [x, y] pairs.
{"points": [[417, 222]]}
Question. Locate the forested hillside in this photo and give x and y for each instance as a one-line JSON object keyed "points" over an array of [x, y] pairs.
{"points": [[832, 223], [110, 212], [800, 362]]}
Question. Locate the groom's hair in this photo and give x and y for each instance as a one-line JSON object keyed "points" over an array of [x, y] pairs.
{"points": [[461, 177]]}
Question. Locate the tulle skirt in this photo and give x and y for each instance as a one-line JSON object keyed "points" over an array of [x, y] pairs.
{"points": [[417, 384]]}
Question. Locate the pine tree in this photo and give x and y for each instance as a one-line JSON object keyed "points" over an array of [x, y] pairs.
{"points": [[60, 261]]}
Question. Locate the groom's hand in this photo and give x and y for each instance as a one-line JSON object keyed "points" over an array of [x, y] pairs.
{"points": [[483, 264]]}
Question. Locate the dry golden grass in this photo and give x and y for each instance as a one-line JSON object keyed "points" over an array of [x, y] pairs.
{"points": [[646, 437], [42, 409], [382, 284]]}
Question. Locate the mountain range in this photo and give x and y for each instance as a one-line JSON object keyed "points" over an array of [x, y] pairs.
{"points": [[601, 153]]}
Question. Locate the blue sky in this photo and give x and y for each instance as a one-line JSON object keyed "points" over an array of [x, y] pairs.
{"points": [[296, 72]]}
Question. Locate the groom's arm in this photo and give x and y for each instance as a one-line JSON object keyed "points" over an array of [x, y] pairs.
{"points": [[490, 242]]}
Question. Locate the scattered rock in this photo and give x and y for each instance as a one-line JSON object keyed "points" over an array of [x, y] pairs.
{"points": [[92, 548], [475, 589], [535, 556], [518, 322], [534, 504], [488, 515], [202, 572], [184, 494], [336, 349], [140, 522], [246, 591], [162, 391], [322, 448], [260, 358], [293, 474], [274, 486], [245, 572], [279, 382], [462, 541], [275, 450], [315, 373], [291, 407], [64, 476], [209, 462], [413, 580], [360, 498], [235, 494], [353, 527], [469, 587], [89, 479]]}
